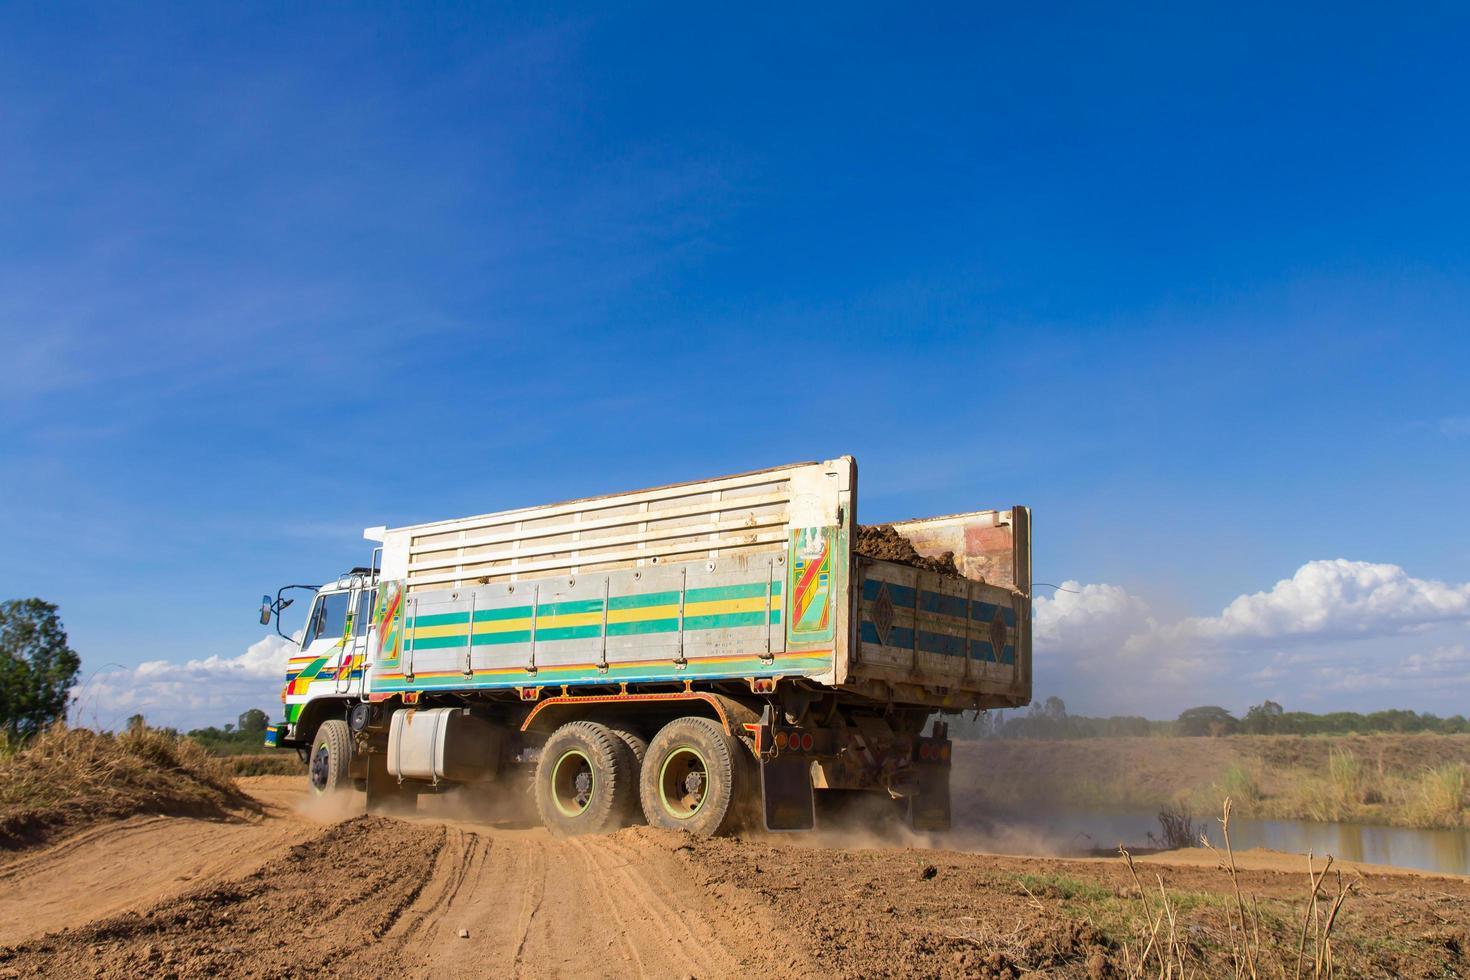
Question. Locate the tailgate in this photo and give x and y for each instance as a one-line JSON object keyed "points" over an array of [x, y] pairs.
{"points": [[942, 640]]}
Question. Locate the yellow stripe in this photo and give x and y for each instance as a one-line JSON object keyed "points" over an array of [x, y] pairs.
{"points": [[723, 606]]}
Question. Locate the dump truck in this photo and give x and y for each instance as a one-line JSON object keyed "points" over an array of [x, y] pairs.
{"points": [[702, 656]]}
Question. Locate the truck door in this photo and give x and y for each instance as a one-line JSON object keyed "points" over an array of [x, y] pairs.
{"points": [[325, 639], [353, 666]]}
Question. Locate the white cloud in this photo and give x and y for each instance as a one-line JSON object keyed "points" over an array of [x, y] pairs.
{"points": [[1353, 627], [193, 694], [1084, 620], [1337, 598]]}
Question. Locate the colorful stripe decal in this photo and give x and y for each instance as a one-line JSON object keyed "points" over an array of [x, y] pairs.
{"points": [[981, 616], [645, 670], [722, 607]]}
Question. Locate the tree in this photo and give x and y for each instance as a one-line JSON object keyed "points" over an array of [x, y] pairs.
{"points": [[1206, 720], [37, 668], [1262, 719], [254, 721]]}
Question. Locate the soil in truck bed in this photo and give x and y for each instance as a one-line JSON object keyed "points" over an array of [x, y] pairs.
{"points": [[881, 541]]}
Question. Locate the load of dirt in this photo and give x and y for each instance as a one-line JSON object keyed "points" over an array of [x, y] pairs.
{"points": [[881, 541], [70, 778]]}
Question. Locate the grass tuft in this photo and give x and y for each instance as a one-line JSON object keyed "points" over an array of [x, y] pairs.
{"points": [[68, 778]]}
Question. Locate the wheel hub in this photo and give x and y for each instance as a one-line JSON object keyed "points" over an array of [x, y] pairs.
{"points": [[321, 764]]}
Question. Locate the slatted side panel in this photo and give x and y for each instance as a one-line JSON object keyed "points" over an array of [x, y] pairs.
{"points": [[732, 516]]}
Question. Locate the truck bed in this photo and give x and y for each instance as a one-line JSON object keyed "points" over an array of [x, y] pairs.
{"points": [[743, 577]]}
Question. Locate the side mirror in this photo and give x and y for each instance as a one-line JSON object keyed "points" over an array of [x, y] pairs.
{"points": [[265, 610]]}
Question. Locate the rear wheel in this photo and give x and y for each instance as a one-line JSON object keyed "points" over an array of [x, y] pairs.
{"points": [[331, 756], [585, 780], [694, 777]]}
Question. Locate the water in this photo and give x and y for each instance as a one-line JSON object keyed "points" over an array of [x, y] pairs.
{"points": [[1078, 830]]}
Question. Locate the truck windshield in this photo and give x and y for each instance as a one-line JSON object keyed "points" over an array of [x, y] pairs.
{"points": [[328, 617]]}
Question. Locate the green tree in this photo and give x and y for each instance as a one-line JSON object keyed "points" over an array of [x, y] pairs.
{"points": [[254, 721], [1206, 720], [37, 668], [1262, 719]]}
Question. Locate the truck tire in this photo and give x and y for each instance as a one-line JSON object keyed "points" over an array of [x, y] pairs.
{"points": [[331, 758], [636, 743], [585, 780], [637, 748], [694, 778]]}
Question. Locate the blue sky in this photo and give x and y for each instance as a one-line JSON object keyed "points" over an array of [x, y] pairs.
{"points": [[1191, 285]]}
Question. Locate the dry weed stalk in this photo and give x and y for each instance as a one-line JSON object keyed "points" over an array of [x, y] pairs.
{"points": [[1249, 949]]}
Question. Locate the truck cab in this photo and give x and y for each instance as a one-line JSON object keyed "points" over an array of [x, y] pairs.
{"points": [[325, 674]]}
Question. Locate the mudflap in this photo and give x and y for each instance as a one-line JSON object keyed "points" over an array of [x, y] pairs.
{"points": [[788, 801], [929, 807], [787, 798]]}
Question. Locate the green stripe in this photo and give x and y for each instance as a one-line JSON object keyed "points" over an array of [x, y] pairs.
{"points": [[755, 590], [435, 642], [497, 639], [643, 626], [725, 621], [495, 615], [440, 619], [645, 599], [569, 632]]}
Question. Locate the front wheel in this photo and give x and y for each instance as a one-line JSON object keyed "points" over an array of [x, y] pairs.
{"points": [[694, 778], [331, 756]]}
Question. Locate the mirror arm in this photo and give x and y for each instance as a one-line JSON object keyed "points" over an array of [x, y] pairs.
{"points": [[279, 605]]}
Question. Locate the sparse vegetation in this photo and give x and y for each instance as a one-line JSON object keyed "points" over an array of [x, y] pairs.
{"points": [[1257, 942], [1049, 719], [1418, 780], [67, 778]]}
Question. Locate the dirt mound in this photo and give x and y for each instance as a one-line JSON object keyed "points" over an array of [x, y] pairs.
{"points": [[881, 541], [69, 778], [375, 867]]}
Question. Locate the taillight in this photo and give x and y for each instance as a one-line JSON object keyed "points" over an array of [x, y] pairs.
{"points": [[780, 740], [925, 750], [807, 741], [944, 751]]}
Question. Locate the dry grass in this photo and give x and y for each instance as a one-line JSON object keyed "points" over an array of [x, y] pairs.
{"points": [[68, 778], [1256, 944], [1390, 780], [278, 764]]}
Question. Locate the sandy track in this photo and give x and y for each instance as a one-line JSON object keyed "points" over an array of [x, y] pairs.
{"points": [[292, 894], [131, 864], [532, 905], [295, 893]]}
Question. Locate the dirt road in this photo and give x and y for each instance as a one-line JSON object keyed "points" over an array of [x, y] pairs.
{"points": [[290, 893]]}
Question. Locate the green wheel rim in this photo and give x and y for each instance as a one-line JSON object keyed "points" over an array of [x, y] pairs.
{"points": [[683, 782], [573, 783]]}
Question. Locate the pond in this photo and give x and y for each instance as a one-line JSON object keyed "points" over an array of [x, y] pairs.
{"points": [[1081, 830]]}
